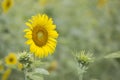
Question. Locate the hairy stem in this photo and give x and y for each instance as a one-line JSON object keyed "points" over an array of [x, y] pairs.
{"points": [[25, 74], [81, 77]]}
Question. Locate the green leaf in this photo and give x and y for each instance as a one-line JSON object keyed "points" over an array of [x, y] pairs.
{"points": [[39, 71], [113, 55], [35, 77], [37, 74]]}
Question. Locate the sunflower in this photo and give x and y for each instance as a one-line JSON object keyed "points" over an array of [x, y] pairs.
{"points": [[53, 66], [6, 74], [11, 59], [1, 68], [101, 3], [43, 2], [6, 5], [41, 35], [20, 66]]}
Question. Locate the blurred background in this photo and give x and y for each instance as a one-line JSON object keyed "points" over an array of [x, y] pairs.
{"points": [[92, 25]]}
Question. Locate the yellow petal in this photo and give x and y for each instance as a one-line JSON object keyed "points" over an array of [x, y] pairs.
{"points": [[28, 36], [27, 30], [29, 41], [53, 34], [29, 25], [29, 33]]}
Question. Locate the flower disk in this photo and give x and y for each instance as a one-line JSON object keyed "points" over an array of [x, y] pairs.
{"points": [[6, 5], [11, 59], [41, 35]]}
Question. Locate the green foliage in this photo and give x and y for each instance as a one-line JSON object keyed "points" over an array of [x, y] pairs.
{"points": [[37, 73], [113, 55]]}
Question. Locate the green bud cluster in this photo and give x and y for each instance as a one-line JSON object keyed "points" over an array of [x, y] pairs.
{"points": [[25, 59], [83, 58]]}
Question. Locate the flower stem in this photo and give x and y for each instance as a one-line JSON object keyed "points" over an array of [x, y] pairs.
{"points": [[25, 78], [80, 72], [25, 75], [81, 77]]}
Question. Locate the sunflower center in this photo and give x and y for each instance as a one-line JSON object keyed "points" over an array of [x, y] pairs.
{"points": [[39, 36], [8, 3], [11, 59]]}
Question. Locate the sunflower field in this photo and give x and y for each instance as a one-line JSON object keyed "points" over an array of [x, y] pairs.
{"points": [[59, 40]]}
